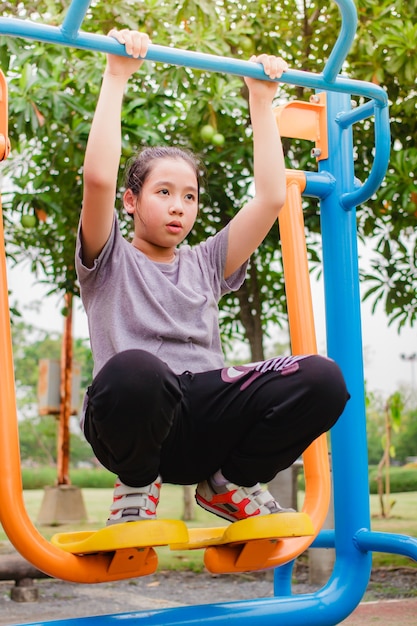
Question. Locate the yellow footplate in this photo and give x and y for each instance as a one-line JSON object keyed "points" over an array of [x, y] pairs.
{"points": [[130, 546], [248, 545]]}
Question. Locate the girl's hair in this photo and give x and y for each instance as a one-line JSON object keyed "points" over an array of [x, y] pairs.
{"points": [[140, 166]]}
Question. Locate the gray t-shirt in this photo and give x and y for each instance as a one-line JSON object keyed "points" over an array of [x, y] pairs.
{"points": [[168, 309]]}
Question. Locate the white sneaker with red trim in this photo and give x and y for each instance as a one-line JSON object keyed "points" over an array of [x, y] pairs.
{"points": [[134, 504], [235, 503]]}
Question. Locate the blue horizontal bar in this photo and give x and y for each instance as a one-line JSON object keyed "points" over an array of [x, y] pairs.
{"points": [[325, 539], [372, 541], [318, 184], [197, 60], [391, 543], [297, 610], [348, 118]]}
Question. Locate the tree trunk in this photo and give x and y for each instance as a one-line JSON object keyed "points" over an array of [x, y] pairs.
{"points": [[387, 462], [65, 398], [188, 503], [380, 483], [250, 313]]}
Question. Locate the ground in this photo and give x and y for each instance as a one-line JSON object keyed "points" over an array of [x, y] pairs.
{"points": [[60, 600]]}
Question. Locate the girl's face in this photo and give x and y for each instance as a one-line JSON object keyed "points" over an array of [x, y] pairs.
{"points": [[166, 209]]}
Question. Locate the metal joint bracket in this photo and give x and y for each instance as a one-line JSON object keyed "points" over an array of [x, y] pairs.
{"points": [[306, 120]]}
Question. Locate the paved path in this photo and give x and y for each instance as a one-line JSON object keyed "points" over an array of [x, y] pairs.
{"points": [[387, 612], [58, 600]]}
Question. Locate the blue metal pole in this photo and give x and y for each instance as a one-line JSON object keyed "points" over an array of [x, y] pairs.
{"points": [[387, 542], [74, 18], [283, 579], [197, 60], [312, 609], [350, 199], [344, 40], [344, 342]]}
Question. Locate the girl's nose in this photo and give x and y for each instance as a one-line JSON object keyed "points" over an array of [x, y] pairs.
{"points": [[176, 207]]}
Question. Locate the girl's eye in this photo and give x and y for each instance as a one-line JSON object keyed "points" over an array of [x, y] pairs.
{"points": [[164, 192], [190, 196]]}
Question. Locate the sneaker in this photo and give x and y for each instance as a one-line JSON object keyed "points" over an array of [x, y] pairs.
{"points": [[134, 504], [235, 503]]}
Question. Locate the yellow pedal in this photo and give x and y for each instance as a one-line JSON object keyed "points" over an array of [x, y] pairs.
{"points": [[147, 533], [248, 545], [261, 527]]}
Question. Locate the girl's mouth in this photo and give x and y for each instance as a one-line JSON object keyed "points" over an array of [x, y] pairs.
{"points": [[174, 227]]}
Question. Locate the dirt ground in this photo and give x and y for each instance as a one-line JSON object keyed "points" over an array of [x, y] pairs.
{"points": [[61, 600]]}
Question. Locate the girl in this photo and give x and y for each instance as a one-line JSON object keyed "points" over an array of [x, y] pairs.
{"points": [[162, 406]]}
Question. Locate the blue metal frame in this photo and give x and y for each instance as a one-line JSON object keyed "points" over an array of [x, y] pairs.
{"points": [[339, 193]]}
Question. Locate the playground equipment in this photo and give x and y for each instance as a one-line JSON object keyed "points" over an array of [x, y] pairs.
{"points": [[327, 120]]}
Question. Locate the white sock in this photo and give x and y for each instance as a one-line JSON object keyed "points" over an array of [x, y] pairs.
{"points": [[218, 479]]}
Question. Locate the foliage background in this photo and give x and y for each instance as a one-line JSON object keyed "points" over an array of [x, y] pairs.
{"points": [[53, 91], [52, 95]]}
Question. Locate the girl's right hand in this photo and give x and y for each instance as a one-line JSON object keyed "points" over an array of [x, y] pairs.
{"points": [[136, 45]]}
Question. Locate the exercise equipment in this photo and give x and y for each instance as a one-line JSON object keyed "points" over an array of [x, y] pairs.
{"points": [[329, 119]]}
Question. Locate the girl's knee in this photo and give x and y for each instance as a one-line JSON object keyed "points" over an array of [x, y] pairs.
{"points": [[135, 376], [136, 368], [326, 383]]}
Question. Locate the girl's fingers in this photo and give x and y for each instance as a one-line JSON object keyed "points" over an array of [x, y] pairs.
{"points": [[117, 34], [136, 43], [140, 43], [273, 66]]}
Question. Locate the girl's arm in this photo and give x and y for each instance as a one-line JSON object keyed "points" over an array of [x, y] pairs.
{"points": [[102, 156], [251, 225]]}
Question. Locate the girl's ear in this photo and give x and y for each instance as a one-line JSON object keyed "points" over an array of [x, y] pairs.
{"points": [[129, 201]]}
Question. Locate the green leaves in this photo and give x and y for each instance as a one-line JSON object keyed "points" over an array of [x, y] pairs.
{"points": [[53, 92], [400, 41]]}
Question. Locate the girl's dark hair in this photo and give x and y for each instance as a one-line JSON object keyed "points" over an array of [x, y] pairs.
{"points": [[140, 166]]}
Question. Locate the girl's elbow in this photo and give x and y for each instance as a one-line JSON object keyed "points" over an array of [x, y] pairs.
{"points": [[278, 203]]}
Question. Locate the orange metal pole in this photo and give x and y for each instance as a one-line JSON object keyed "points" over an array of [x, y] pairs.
{"points": [[13, 515], [303, 341]]}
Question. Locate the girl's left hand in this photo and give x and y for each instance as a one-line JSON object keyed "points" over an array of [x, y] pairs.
{"points": [[273, 67]]}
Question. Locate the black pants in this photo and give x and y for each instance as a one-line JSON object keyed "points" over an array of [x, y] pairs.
{"points": [[142, 419]]}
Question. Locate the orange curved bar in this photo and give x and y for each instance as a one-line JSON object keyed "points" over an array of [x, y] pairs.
{"points": [[225, 559], [303, 341], [13, 515], [4, 119]]}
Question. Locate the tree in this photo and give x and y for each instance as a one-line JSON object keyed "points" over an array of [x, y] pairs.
{"points": [[406, 440], [375, 426], [392, 418], [384, 52], [53, 92], [45, 102]]}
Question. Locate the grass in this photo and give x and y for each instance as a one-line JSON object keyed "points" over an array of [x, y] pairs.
{"points": [[403, 520], [97, 502]]}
